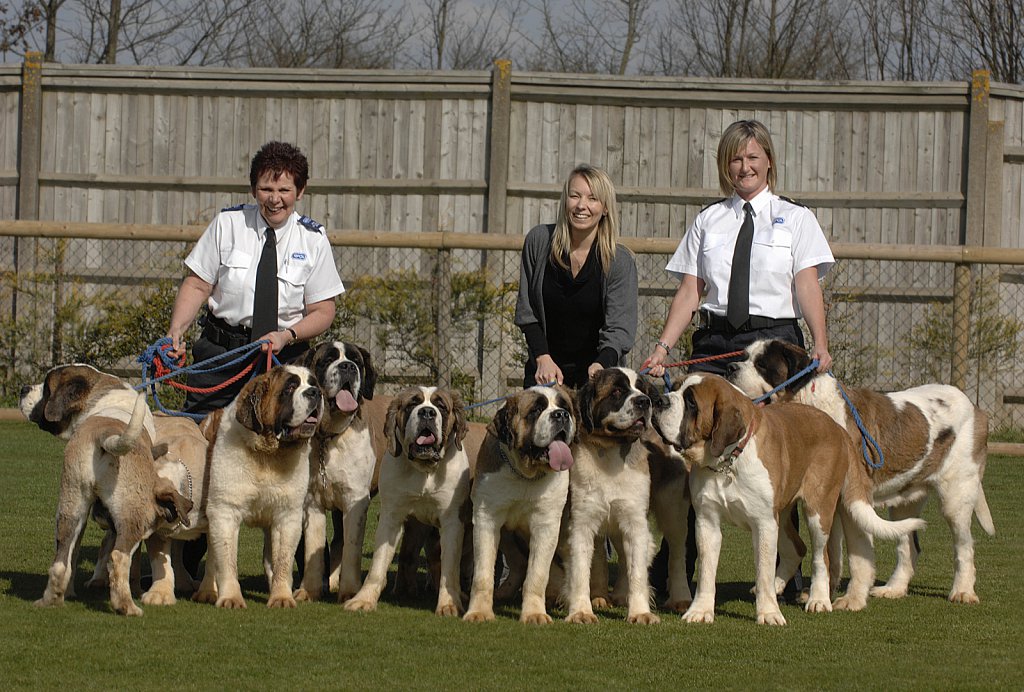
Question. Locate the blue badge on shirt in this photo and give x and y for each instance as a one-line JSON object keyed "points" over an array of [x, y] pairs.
{"points": [[298, 255], [778, 219]]}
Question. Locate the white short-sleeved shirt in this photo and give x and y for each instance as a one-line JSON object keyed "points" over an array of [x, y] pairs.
{"points": [[787, 239], [229, 250]]}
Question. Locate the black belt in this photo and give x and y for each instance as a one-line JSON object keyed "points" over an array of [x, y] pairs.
{"points": [[720, 323], [217, 331]]}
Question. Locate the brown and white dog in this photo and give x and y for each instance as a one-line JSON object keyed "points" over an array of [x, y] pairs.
{"points": [[425, 473], [344, 461], [932, 438], [259, 475], [108, 469], [610, 489], [749, 466], [521, 484]]}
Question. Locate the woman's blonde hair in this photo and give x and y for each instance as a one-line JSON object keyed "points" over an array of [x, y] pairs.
{"points": [[607, 228], [733, 141]]}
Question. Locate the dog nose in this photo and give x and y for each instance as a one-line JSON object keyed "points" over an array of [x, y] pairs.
{"points": [[732, 368], [642, 403], [25, 390], [429, 413], [313, 393], [560, 414], [347, 366]]}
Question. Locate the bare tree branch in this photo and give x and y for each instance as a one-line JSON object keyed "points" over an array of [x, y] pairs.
{"points": [[457, 38]]}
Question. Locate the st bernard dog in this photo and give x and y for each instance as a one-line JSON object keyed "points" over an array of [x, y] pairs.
{"points": [[425, 474], [933, 439], [749, 465], [521, 484], [259, 475], [609, 489], [343, 464], [108, 470]]}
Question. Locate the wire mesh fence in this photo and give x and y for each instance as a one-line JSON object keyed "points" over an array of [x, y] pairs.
{"points": [[445, 316]]}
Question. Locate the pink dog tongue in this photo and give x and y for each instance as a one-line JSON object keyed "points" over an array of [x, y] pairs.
{"points": [[559, 456], [425, 440], [345, 401]]}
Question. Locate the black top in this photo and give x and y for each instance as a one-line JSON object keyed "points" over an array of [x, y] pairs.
{"points": [[575, 315]]}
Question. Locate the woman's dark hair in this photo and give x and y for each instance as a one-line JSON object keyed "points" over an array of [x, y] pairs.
{"points": [[278, 158]]}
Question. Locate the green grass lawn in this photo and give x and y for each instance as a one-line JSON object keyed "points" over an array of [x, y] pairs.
{"points": [[920, 642]]}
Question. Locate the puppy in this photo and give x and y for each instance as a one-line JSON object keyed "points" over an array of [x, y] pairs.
{"points": [[108, 468], [749, 466], [520, 484], [933, 439], [610, 487], [425, 473], [259, 475], [343, 465]]}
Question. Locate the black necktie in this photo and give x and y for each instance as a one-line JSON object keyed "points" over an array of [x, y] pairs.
{"points": [[738, 308], [264, 303]]}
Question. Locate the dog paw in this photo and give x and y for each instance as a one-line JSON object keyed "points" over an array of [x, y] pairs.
{"points": [[129, 609], [158, 597], [447, 610], [581, 618], [285, 601], [302, 595], [964, 597], [204, 597], [600, 603], [478, 616], [771, 618], [346, 595], [536, 619], [231, 603], [49, 601], [848, 603], [699, 615], [890, 592], [359, 605], [818, 606], [677, 606], [643, 619]]}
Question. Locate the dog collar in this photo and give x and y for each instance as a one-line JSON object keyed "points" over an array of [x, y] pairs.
{"points": [[725, 466], [508, 460]]}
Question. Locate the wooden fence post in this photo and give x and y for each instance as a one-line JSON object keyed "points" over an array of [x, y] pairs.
{"points": [[30, 137], [976, 169], [443, 316], [496, 205]]}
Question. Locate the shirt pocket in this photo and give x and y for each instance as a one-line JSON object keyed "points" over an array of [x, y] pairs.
{"points": [[233, 271], [293, 278], [772, 250]]}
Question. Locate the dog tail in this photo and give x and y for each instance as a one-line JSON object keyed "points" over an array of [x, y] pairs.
{"points": [[865, 517], [984, 516], [119, 445]]}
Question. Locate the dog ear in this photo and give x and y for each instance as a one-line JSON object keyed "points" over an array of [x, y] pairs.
{"points": [[574, 411], [307, 359], [585, 403], [729, 428], [458, 416], [247, 408], [391, 431], [501, 425], [172, 505], [369, 375], [66, 399]]}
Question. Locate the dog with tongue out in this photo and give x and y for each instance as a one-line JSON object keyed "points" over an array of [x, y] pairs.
{"points": [[521, 485]]}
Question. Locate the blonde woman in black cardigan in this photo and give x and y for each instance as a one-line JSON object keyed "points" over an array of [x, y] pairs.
{"points": [[577, 304]]}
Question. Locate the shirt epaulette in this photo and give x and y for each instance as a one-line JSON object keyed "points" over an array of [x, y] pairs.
{"points": [[311, 224], [792, 201], [237, 207], [717, 201]]}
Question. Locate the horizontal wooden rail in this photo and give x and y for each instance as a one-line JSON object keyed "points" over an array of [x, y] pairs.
{"points": [[446, 240]]}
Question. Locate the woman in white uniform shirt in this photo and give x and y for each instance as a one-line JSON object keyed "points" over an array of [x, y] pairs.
{"points": [[222, 275], [788, 256]]}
